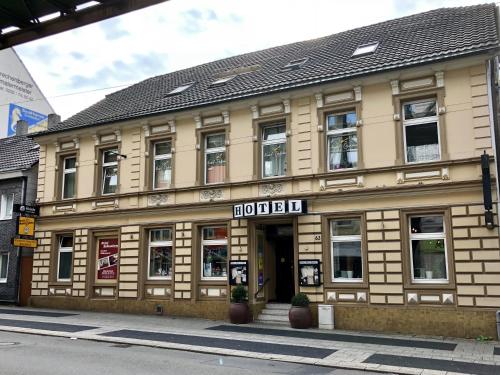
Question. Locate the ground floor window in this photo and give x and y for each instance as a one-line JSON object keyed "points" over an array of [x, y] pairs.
{"points": [[4, 260], [65, 258], [214, 253], [160, 253], [346, 257], [428, 249]]}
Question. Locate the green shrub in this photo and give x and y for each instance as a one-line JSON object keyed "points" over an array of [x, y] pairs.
{"points": [[239, 294], [301, 300]]}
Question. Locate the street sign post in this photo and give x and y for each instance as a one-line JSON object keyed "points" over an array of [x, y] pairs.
{"points": [[21, 242]]}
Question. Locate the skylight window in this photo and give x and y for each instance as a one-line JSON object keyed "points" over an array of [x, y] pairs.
{"points": [[365, 49], [222, 80], [180, 89], [295, 64]]}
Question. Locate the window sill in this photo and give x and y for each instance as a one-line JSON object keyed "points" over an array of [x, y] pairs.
{"points": [[159, 281], [430, 285], [61, 283]]}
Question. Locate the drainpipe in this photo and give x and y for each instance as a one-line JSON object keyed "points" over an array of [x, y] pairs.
{"points": [[493, 116], [20, 249]]}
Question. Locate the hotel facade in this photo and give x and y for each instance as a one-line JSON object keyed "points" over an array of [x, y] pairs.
{"points": [[346, 167]]}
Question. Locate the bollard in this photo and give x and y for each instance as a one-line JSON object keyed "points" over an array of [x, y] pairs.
{"points": [[498, 325]]}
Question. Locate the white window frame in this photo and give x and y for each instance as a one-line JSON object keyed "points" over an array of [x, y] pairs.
{"points": [[213, 150], [420, 121], [158, 244], [365, 49], [66, 172], [4, 279], [109, 164], [337, 132], [180, 88], [346, 238], [274, 142], [6, 212], [60, 250], [212, 242], [161, 157], [428, 236]]}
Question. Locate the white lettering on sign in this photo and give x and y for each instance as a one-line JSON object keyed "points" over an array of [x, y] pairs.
{"points": [[281, 207]]}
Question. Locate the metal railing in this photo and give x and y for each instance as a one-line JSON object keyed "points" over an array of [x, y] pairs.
{"points": [[262, 287]]}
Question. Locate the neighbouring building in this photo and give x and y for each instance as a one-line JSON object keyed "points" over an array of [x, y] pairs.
{"points": [[347, 167], [18, 184]]}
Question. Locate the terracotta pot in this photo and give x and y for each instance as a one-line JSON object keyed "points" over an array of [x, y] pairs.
{"points": [[239, 313], [300, 317]]}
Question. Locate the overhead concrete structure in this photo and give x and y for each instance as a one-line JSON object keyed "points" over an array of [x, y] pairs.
{"points": [[27, 20]]}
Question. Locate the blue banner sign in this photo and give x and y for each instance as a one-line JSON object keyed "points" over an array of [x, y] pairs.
{"points": [[34, 119]]}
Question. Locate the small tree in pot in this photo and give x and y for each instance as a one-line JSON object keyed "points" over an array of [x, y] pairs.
{"points": [[239, 312], [300, 315]]}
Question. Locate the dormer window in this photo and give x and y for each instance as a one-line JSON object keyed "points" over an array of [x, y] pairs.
{"points": [[365, 49], [181, 88], [295, 64], [222, 81]]}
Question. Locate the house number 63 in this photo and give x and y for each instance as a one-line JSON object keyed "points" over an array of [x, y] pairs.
{"points": [[317, 237]]}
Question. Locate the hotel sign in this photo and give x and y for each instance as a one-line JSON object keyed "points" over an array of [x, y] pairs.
{"points": [[267, 208]]}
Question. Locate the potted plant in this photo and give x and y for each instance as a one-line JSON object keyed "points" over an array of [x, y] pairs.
{"points": [[300, 315], [239, 312]]}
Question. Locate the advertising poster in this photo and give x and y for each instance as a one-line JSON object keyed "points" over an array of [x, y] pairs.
{"points": [[107, 259], [238, 272], [36, 121]]}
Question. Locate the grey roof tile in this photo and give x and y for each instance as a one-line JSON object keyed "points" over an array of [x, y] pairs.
{"points": [[18, 152], [431, 36]]}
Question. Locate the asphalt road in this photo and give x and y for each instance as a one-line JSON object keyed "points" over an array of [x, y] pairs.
{"points": [[24, 354]]}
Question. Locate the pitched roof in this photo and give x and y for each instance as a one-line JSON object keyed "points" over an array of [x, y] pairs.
{"points": [[422, 38], [18, 152]]}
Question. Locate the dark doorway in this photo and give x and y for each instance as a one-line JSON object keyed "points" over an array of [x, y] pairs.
{"points": [[280, 239], [25, 280]]}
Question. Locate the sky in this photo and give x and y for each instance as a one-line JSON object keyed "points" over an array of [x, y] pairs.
{"points": [[77, 68]]}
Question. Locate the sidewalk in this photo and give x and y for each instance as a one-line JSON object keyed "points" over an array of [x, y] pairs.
{"points": [[401, 354]]}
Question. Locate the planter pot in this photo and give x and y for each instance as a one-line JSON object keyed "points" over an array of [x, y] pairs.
{"points": [[239, 313], [300, 317]]}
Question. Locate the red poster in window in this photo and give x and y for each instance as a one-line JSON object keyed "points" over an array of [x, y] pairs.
{"points": [[107, 262]]}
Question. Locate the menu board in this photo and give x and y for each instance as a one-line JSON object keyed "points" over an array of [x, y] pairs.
{"points": [[238, 272], [107, 259], [309, 272]]}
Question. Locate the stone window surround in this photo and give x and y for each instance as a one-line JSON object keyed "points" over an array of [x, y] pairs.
{"points": [[201, 134], [323, 113], [99, 151], [60, 156], [258, 125], [327, 251], [144, 257], [406, 247], [54, 258], [197, 281], [437, 93], [150, 142]]}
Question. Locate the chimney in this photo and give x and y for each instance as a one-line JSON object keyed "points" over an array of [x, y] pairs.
{"points": [[53, 120], [21, 127]]}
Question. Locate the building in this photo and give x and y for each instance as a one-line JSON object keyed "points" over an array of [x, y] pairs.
{"points": [[18, 184], [20, 96], [358, 153]]}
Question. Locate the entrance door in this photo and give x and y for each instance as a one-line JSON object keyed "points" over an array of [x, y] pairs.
{"points": [[283, 249], [25, 280]]}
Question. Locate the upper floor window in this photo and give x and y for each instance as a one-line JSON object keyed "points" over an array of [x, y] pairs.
{"points": [[214, 253], [69, 177], [4, 261], [429, 261], [65, 258], [342, 141], [421, 131], [109, 171], [274, 150], [6, 206], [162, 165], [215, 158], [160, 254], [347, 261]]}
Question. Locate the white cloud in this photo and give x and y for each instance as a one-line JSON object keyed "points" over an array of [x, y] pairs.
{"points": [[181, 33]]}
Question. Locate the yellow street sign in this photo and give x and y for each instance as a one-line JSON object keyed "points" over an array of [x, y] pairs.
{"points": [[21, 242], [26, 226]]}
